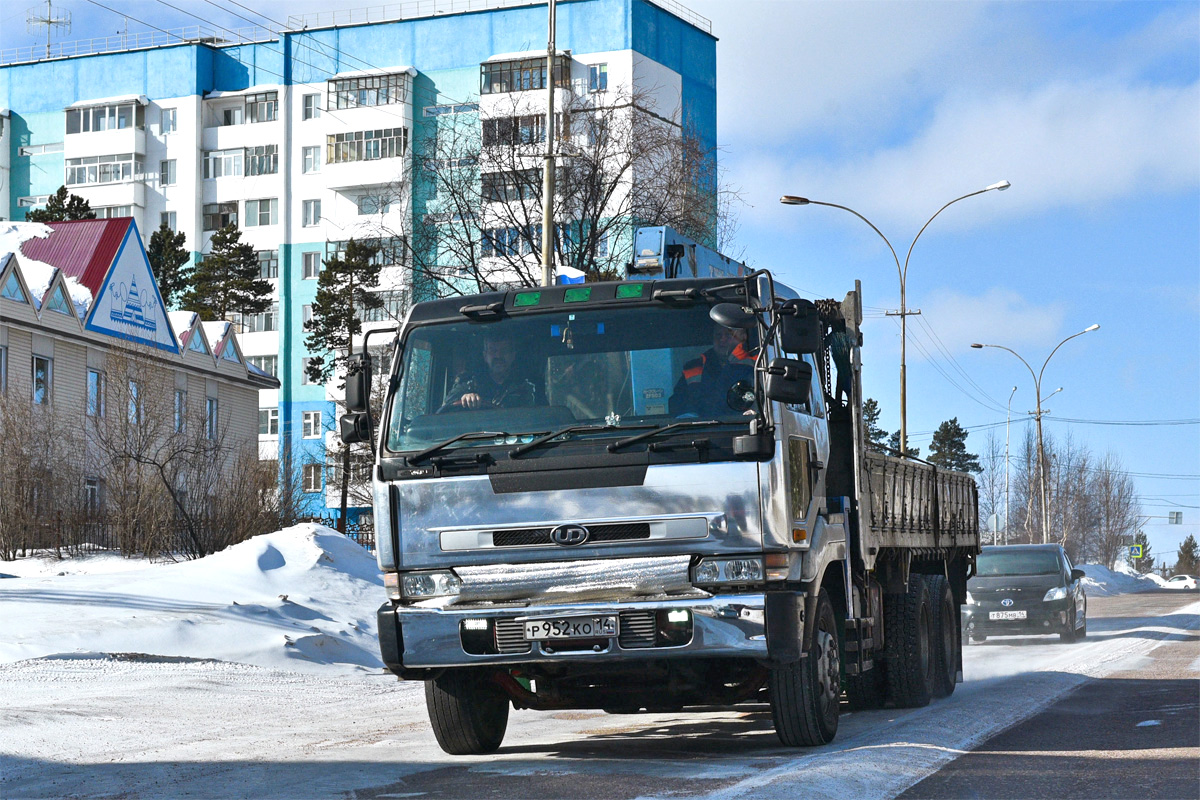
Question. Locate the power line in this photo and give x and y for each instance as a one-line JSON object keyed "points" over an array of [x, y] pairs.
{"points": [[1132, 422]]}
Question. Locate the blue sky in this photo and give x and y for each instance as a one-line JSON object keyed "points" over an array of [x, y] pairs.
{"points": [[1091, 110]]}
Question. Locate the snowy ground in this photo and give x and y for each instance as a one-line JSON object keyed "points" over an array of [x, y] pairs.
{"points": [[255, 673]]}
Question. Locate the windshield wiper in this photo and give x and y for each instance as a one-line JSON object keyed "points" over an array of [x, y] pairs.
{"points": [[517, 452], [674, 426], [421, 455]]}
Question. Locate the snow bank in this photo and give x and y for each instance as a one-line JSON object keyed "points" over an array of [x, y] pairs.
{"points": [[303, 598], [1100, 581]]}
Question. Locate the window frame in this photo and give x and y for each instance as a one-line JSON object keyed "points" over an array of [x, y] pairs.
{"points": [[96, 392], [271, 421], [48, 380], [310, 426]]}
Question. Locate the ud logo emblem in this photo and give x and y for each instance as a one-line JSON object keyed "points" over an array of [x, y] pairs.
{"points": [[569, 535], [1006, 602]]}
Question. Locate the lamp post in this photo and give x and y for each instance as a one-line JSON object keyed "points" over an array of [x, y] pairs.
{"points": [[1037, 387], [903, 313], [1007, 437]]}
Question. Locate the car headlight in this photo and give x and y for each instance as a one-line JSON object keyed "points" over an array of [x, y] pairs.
{"points": [[728, 570], [970, 599], [1057, 593], [420, 585]]}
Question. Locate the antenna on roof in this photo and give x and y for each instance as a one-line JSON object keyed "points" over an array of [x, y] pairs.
{"points": [[34, 19]]}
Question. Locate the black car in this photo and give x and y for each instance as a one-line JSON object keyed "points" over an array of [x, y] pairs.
{"points": [[1025, 589]]}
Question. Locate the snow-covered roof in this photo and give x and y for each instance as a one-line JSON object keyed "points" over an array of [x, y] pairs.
{"points": [[366, 73], [181, 323], [217, 94], [523, 55], [215, 331], [140, 99]]}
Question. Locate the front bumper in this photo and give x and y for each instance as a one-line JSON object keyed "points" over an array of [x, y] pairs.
{"points": [[1041, 617], [729, 625]]}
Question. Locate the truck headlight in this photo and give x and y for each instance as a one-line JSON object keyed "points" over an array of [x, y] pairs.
{"points": [[419, 585], [1057, 593], [728, 570]]}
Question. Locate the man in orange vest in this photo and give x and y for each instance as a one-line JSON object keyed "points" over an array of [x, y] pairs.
{"points": [[703, 389]]}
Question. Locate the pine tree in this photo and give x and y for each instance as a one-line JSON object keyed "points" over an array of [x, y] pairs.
{"points": [[171, 263], [949, 448], [1146, 562], [876, 436], [1188, 557], [227, 280], [62, 207], [893, 444]]}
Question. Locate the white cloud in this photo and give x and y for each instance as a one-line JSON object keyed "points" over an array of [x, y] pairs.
{"points": [[998, 316]]}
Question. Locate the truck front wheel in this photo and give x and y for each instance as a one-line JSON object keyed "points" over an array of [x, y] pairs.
{"points": [[804, 695], [469, 714]]}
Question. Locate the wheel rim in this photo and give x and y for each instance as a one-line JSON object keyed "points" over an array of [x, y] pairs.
{"points": [[829, 676]]}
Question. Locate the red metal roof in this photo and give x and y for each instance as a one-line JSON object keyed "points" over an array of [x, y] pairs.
{"points": [[83, 249]]}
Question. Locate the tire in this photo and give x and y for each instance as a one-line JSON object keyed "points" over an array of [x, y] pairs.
{"points": [[978, 639], [1081, 632], [468, 714], [804, 695], [868, 691], [944, 636], [908, 621], [1068, 636]]}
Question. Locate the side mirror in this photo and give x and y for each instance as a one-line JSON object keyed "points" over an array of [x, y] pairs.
{"points": [[1077, 574], [789, 380], [355, 428], [800, 327], [358, 383], [731, 315]]}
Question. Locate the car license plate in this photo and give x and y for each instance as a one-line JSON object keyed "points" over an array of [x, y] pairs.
{"points": [[1006, 615], [552, 628]]}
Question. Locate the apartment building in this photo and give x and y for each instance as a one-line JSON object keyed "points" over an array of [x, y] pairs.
{"points": [[306, 137]]}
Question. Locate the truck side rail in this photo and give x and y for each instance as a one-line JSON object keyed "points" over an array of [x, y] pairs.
{"points": [[916, 505]]}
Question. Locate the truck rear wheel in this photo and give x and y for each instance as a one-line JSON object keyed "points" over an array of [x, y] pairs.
{"points": [[945, 636], [804, 695], [468, 713], [908, 623]]}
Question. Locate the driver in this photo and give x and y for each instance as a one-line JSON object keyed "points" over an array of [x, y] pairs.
{"points": [[706, 381], [497, 386]]}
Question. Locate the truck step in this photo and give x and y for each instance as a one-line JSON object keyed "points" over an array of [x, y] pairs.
{"points": [[855, 669], [867, 644], [854, 623]]}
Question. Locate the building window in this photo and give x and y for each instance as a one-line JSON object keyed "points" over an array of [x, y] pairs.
{"points": [[342, 148], [268, 422], [262, 160], [95, 393], [268, 264], [222, 163], [598, 77], [390, 251], [262, 212], [521, 184], [393, 306], [166, 172], [43, 380], [112, 212], [33, 201], [230, 116], [457, 108], [371, 90], [219, 215], [168, 218], [312, 265], [3, 370], [312, 478], [169, 121], [39, 149], [262, 107], [312, 424], [312, 160], [266, 321], [304, 379], [503, 242], [312, 106], [93, 496], [527, 129], [210, 418], [135, 403], [374, 204], [268, 364], [106, 118], [306, 313], [103, 169], [180, 411], [312, 213], [519, 76]]}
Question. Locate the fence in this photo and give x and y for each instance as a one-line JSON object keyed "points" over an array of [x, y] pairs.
{"points": [[361, 533]]}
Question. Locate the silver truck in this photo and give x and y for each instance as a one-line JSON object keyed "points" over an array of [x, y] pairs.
{"points": [[652, 495]]}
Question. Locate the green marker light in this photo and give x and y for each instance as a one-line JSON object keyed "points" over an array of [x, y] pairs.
{"points": [[630, 290], [577, 295], [527, 299]]}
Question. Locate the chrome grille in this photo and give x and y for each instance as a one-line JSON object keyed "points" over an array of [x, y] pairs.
{"points": [[510, 637], [637, 629], [521, 537]]}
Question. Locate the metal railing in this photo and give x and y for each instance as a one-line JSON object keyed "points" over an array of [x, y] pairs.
{"points": [[430, 8], [139, 40]]}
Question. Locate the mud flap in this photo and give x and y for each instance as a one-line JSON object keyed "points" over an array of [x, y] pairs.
{"points": [[391, 644], [784, 618]]}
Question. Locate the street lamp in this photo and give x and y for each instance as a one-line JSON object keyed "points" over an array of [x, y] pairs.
{"points": [[1007, 437], [1037, 386], [903, 313]]}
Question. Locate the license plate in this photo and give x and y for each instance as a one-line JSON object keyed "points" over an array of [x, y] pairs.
{"points": [[1006, 615], [551, 628]]}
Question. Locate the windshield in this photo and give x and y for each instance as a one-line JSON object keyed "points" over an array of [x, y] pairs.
{"points": [[992, 563], [642, 366]]}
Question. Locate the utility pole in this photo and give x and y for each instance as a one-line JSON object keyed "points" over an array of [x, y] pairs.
{"points": [[49, 21], [1007, 437], [548, 169]]}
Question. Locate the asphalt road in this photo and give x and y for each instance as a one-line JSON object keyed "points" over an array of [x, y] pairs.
{"points": [[1134, 733]]}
